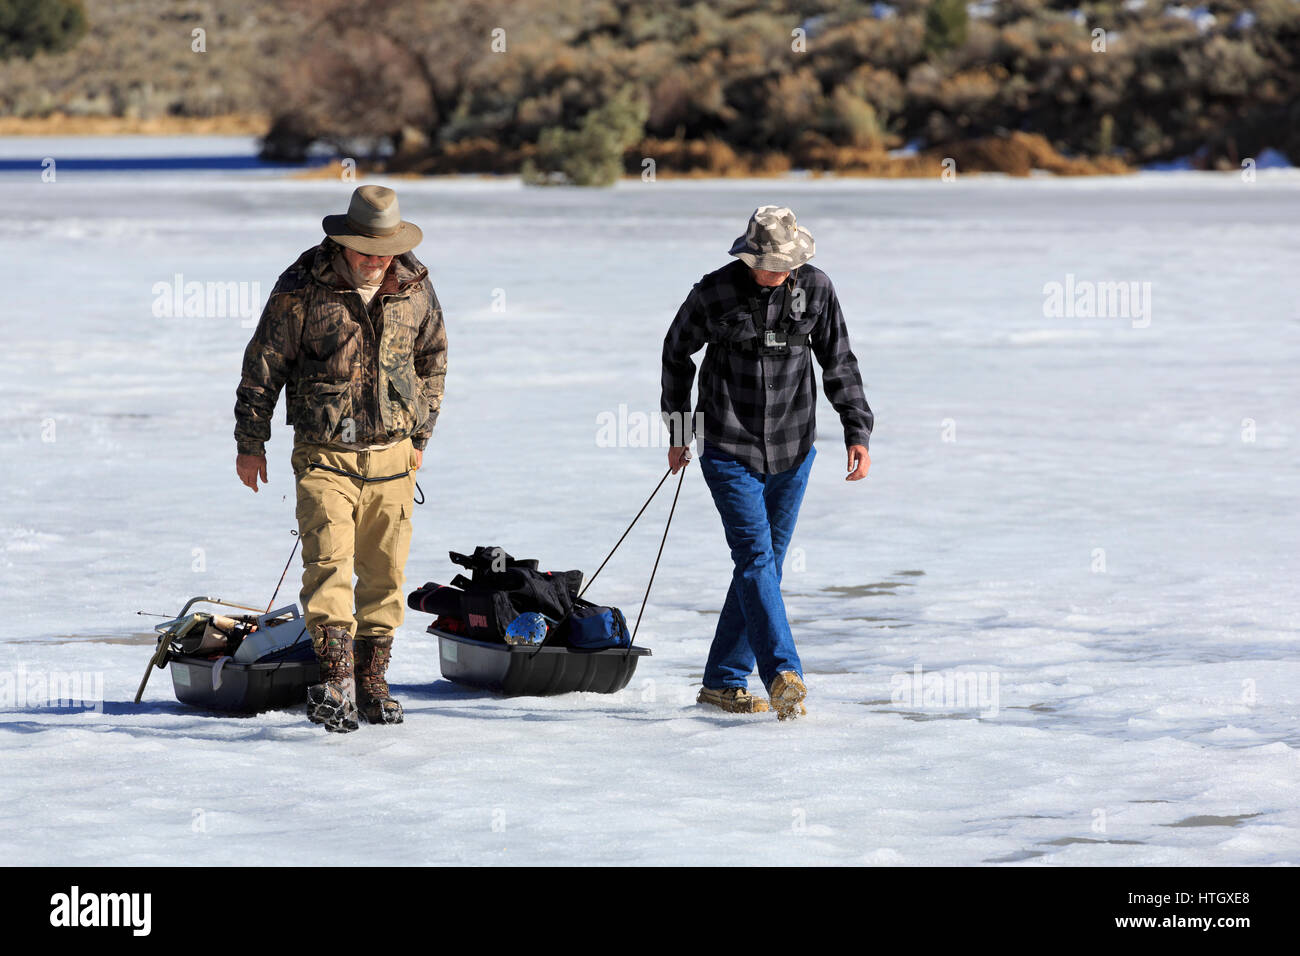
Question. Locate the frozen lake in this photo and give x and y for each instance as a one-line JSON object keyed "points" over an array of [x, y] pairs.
{"points": [[1097, 517]]}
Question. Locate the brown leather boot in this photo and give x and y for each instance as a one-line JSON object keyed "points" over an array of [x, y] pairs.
{"points": [[373, 699], [734, 700], [332, 702], [787, 693]]}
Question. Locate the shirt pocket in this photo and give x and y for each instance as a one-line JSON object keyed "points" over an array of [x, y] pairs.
{"points": [[731, 327]]}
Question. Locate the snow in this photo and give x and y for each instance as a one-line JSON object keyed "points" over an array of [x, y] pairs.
{"points": [[1098, 520], [123, 147]]}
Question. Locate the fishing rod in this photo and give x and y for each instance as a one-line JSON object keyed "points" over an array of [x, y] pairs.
{"points": [[297, 539]]}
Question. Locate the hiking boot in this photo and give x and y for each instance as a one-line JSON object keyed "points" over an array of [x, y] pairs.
{"points": [[373, 699], [787, 693], [332, 702], [734, 700]]}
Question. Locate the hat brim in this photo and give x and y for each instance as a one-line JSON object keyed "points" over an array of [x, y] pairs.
{"points": [[804, 250], [406, 238]]}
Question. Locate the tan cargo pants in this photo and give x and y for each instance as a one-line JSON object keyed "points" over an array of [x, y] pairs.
{"points": [[346, 525]]}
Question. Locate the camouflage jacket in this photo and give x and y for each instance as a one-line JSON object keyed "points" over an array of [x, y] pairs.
{"points": [[352, 375]]}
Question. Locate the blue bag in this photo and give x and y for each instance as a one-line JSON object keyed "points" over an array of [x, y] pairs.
{"points": [[593, 628]]}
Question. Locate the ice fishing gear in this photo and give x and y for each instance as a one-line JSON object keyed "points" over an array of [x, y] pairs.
{"points": [[499, 589], [527, 628], [172, 631], [296, 541], [489, 636], [518, 670], [241, 663], [597, 628], [492, 569], [483, 615], [271, 643]]}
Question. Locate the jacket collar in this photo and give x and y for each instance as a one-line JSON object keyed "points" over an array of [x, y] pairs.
{"points": [[404, 271]]}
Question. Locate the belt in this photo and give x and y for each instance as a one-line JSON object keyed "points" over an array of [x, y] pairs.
{"points": [[368, 480]]}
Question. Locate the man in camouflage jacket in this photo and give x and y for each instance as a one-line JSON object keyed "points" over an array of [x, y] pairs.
{"points": [[353, 333]]}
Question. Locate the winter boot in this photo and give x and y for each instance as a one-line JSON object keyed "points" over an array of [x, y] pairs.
{"points": [[787, 692], [734, 700], [332, 702], [373, 698]]}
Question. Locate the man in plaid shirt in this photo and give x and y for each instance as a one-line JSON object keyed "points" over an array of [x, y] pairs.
{"points": [[763, 318]]}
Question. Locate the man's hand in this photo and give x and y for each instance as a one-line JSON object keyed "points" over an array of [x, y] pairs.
{"points": [[859, 462], [679, 456], [419, 457], [249, 468]]}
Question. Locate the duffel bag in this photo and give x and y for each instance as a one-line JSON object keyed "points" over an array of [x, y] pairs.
{"points": [[595, 628], [484, 614]]}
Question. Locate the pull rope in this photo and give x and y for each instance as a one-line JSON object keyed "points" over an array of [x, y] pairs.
{"points": [[662, 541], [555, 627], [625, 533]]}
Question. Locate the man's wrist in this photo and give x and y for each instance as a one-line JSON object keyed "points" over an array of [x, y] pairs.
{"points": [[256, 448]]}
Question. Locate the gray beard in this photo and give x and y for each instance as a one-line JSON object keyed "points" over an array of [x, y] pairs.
{"points": [[342, 267]]}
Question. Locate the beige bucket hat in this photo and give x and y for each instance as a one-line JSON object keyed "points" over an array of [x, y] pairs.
{"points": [[373, 224], [773, 241]]}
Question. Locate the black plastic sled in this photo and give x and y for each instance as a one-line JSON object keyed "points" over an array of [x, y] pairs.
{"points": [[523, 670], [242, 688]]}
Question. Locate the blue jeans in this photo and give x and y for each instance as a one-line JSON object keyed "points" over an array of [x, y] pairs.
{"points": [[758, 515]]}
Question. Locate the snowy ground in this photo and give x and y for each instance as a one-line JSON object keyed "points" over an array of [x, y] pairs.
{"points": [[1097, 517]]}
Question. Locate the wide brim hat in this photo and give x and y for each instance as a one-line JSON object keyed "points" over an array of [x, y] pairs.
{"points": [[773, 241], [373, 224]]}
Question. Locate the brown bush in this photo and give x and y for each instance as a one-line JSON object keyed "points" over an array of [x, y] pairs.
{"points": [[683, 157], [1020, 154]]}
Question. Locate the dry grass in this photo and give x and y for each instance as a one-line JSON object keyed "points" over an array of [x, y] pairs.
{"points": [[1018, 154], [1021, 154], [61, 124], [474, 155]]}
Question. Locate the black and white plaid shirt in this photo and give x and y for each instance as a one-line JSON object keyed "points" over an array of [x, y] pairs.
{"points": [[760, 409]]}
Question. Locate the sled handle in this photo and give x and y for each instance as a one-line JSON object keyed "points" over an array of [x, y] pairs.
{"points": [[211, 600]]}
